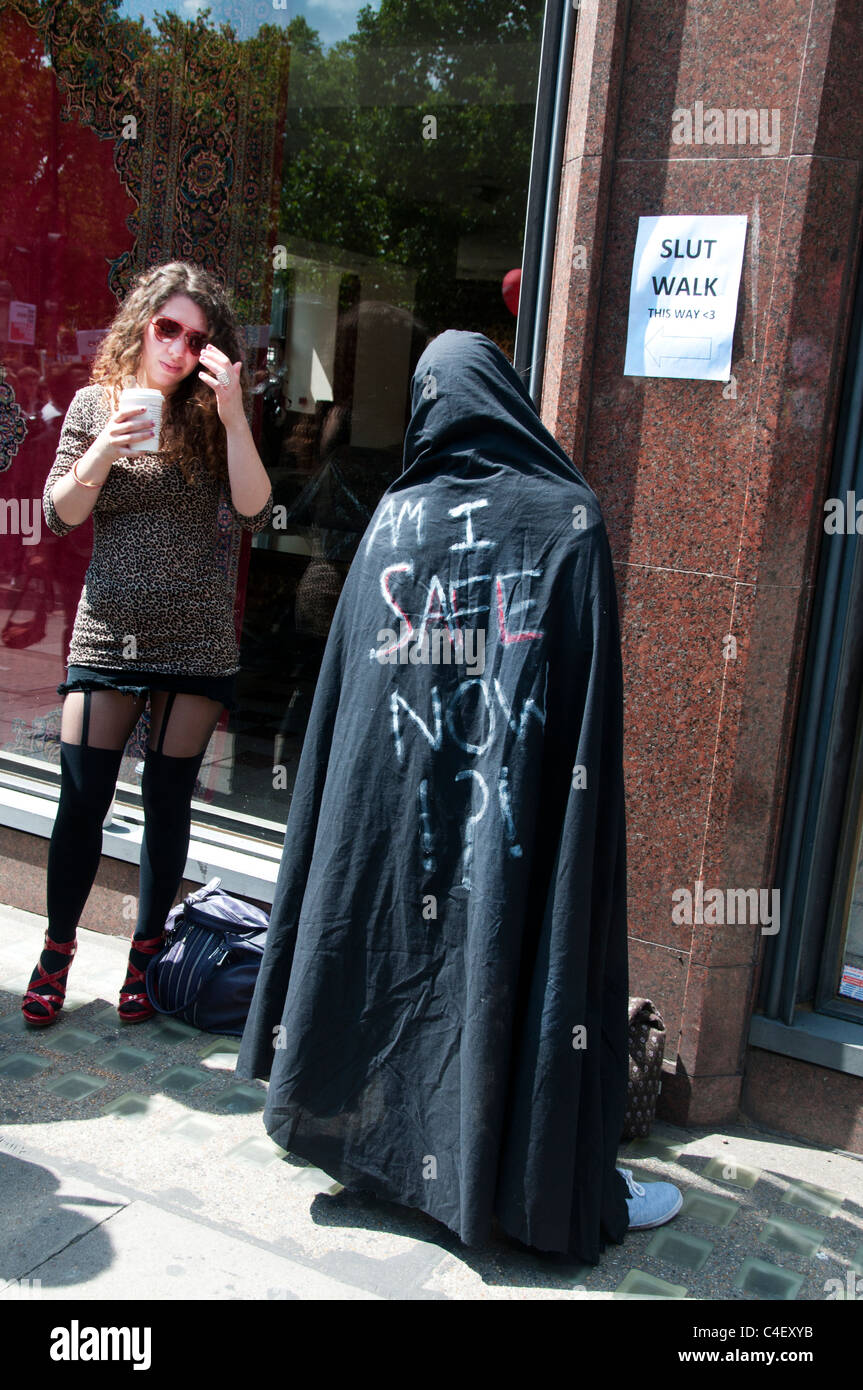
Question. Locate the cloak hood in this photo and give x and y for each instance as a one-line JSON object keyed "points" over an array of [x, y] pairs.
{"points": [[472, 413]]}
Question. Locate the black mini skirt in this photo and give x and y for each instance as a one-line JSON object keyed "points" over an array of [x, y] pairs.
{"points": [[137, 682]]}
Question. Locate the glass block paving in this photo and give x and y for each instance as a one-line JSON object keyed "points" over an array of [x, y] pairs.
{"points": [[108, 1017], [765, 1280], [241, 1100], [193, 1130], [123, 1060], [76, 1085], [180, 1080], [260, 1152], [709, 1208], [67, 1041], [21, 1066], [730, 1170], [637, 1284], [316, 1181], [791, 1236], [222, 1055], [814, 1198], [16, 1025], [168, 1030], [653, 1148], [681, 1249], [130, 1107]]}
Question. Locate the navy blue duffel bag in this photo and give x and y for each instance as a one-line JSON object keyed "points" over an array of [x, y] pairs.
{"points": [[205, 973]]}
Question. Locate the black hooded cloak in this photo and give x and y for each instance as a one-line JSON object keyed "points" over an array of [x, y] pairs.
{"points": [[442, 1006]]}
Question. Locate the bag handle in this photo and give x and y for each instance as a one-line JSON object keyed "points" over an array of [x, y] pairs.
{"points": [[201, 893]]}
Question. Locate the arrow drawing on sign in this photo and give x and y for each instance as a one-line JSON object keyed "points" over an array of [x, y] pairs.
{"points": [[677, 346]]}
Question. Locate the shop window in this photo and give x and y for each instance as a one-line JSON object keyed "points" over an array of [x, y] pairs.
{"points": [[814, 965], [359, 178]]}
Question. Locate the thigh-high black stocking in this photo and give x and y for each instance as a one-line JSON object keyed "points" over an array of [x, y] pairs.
{"points": [[96, 727], [182, 725]]}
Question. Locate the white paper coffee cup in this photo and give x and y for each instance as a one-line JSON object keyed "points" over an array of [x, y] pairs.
{"points": [[132, 398]]}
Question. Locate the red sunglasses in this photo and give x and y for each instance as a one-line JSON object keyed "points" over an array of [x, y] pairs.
{"points": [[166, 330]]}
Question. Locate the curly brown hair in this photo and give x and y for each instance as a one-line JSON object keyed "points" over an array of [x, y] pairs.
{"points": [[193, 436]]}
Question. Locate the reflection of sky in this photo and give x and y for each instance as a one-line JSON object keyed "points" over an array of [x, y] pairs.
{"points": [[333, 19]]}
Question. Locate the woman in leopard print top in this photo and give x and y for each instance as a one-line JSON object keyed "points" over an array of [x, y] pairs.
{"points": [[173, 610], [155, 618]]}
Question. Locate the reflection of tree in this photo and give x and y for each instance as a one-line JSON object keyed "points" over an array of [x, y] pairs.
{"points": [[360, 176], [194, 117], [357, 175]]}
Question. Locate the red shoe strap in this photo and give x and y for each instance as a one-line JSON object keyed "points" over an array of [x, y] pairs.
{"points": [[52, 978], [51, 1001], [64, 948], [133, 975], [150, 946]]}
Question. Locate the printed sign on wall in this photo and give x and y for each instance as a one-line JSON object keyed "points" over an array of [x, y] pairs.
{"points": [[683, 296]]}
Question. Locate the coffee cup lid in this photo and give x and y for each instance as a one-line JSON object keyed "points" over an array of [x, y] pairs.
{"points": [[142, 392]]}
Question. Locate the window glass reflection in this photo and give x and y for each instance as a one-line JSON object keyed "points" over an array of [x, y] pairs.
{"points": [[851, 956], [358, 176]]}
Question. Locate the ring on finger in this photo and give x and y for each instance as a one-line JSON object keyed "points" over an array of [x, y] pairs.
{"points": [[224, 377]]}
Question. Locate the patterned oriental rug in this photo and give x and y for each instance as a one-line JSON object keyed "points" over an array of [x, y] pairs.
{"points": [[196, 117]]}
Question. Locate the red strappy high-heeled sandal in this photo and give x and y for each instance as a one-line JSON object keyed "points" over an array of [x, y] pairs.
{"points": [[56, 979], [134, 976]]}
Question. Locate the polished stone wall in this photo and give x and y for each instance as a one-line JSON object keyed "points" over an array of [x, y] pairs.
{"points": [[712, 494]]}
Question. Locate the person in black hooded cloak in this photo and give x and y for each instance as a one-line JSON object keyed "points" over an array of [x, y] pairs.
{"points": [[442, 1005]]}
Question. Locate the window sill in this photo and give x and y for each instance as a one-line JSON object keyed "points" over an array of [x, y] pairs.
{"points": [[245, 866], [817, 1038]]}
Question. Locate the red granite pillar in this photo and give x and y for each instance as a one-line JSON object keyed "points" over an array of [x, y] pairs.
{"points": [[712, 494]]}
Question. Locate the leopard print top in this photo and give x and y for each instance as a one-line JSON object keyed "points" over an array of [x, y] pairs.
{"points": [[154, 597]]}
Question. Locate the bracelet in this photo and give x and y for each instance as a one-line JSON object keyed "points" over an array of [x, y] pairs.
{"points": [[81, 480]]}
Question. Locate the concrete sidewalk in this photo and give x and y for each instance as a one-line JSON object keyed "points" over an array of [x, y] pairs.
{"points": [[131, 1158]]}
